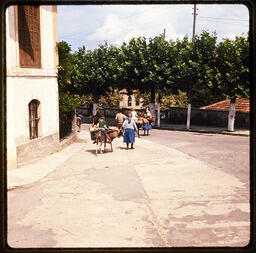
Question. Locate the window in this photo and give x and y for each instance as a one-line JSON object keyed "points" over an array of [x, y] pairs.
{"points": [[33, 118], [129, 101], [29, 36]]}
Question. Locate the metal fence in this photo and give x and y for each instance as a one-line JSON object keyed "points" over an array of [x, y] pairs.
{"points": [[66, 122]]}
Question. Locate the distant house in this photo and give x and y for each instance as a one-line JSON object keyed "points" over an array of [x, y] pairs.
{"points": [[242, 105], [129, 100]]}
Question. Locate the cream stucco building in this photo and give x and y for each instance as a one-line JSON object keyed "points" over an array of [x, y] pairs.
{"points": [[129, 100], [32, 89]]}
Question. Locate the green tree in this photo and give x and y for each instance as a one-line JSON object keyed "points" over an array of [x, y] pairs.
{"points": [[179, 100], [95, 71], [66, 63], [132, 64], [111, 99], [68, 102], [233, 66], [197, 74], [159, 75]]}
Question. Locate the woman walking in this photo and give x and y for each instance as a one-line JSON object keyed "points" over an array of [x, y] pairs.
{"points": [[130, 127], [147, 115]]}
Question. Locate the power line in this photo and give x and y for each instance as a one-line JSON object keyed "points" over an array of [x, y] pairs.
{"points": [[227, 23], [234, 19]]}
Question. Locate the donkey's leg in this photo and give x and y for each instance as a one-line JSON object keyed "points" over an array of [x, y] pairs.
{"points": [[101, 148], [111, 146]]}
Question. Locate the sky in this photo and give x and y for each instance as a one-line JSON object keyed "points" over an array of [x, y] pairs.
{"points": [[91, 25]]}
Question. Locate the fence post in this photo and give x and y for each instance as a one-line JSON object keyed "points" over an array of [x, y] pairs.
{"points": [[188, 116], [158, 114]]}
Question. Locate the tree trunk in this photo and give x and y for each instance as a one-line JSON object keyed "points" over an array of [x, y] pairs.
{"points": [[94, 107], [188, 116], [231, 114], [158, 114], [152, 102]]}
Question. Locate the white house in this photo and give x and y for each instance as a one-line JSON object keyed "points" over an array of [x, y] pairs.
{"points": [[32, 89]]}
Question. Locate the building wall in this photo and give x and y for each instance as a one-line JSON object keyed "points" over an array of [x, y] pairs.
{"points": [[42, 89], [26, 84], [124, 102]]}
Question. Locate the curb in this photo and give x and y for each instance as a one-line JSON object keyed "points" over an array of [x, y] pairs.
{"points": [[201, 131]]}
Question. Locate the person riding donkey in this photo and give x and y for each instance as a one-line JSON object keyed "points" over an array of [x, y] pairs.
{"points": [[102, 126]]}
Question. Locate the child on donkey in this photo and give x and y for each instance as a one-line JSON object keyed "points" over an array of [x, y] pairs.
{"points": [[102, 125]]}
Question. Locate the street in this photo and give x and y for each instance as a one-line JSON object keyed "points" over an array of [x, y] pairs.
{"points": [[174, 189]]}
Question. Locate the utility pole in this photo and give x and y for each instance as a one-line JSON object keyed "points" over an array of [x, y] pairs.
{"points": [[194, 24], [164, 34], [193, 40]]}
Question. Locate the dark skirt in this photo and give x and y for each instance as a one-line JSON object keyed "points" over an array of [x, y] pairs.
{"points": [[129, 135], [146, 127]]}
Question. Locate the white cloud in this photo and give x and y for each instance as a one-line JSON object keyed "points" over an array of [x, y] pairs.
{"points": [[92, 25], [148, 21]]}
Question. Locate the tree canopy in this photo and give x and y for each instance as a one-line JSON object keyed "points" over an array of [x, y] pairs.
{"points": [[205, 71]]}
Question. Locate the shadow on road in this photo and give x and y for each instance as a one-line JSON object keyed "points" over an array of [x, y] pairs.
{"points": [[93, 151], [204, 134], [121, 147]]}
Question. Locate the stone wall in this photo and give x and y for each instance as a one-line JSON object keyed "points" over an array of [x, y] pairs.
{"points": [[203, 117]]}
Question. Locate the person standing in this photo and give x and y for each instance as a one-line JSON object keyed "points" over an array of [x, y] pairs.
{"points": [[134, 115], [148, 113], [120, 117], [130, 127]]}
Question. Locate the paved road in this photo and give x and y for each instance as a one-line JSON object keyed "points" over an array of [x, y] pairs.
{"points": [[174, 189], [225, 152]]}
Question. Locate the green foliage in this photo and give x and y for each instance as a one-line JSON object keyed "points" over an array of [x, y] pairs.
{"points": [[169, 100], [232, 61], [179, 100], [94, 72], [68, 102], [84, 100], [65, 65], [204, 70], [144, 97], [132, 63], [112, 99]]}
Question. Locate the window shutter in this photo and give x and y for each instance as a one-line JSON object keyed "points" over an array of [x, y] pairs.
{"points": [[29, 36]]}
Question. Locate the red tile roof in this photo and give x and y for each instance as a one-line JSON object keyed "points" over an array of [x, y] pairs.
{"points": [[242, 105], [125, 91]]}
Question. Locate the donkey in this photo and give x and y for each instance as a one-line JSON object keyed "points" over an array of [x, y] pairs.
{"points": [[100, 138]]}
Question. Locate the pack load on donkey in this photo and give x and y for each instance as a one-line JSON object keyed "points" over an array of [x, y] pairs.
{"points": [[145, 123], [99, 137]]}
